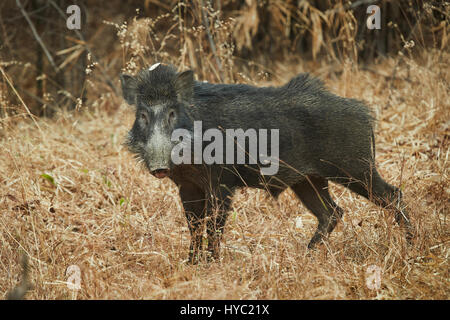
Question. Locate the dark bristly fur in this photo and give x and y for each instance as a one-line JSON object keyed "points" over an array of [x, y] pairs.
{"points": [[323, 138]]}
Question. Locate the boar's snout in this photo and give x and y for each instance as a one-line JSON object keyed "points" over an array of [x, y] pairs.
{"points": [[160, 173], [157, 154]]}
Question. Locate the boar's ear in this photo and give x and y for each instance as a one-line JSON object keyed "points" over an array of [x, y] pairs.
{"points": [[128, 88], [184, 86]]}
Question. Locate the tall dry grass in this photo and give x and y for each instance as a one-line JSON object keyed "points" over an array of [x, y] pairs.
{"points": [[72, 195]]}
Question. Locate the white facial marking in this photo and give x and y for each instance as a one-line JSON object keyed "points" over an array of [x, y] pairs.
{"points": [[157, 108], [159, 145], [153, 67]]}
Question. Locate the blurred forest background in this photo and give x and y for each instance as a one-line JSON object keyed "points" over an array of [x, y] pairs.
{"points": [[49, 65]]}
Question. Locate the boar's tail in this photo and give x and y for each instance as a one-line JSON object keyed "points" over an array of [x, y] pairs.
{"points": [[371, 118], [372, 143]]}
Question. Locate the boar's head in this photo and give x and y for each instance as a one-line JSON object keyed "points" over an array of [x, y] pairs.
{"points": [[161, 97]]}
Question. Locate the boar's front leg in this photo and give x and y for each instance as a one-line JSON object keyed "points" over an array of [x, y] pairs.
{"points": [[194, 204], [218, 207]]}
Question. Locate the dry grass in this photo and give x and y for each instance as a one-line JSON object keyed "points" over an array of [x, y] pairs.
{"points": [[97, 209]]}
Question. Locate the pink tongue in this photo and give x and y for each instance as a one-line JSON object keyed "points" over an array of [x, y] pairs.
{"points": [[160, 174]]}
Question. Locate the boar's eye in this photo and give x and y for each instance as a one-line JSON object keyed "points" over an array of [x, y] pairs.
{"points": [[143, 118], [172, 117]]}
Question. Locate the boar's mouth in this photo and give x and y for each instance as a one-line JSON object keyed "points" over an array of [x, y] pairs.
{"points": [[160, 173]]}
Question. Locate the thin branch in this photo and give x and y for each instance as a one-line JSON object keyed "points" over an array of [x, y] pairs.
{"points": [[35, 97], [30, 13], [401, 54], [36, 35], [20, 98], [210, 39]]}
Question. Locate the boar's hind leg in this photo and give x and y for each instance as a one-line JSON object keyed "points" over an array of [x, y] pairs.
{"points": [[313, 192], [385, 195], [194, 205]]}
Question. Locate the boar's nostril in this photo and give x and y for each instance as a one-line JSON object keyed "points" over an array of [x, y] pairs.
{"points": [[160, 173]]}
